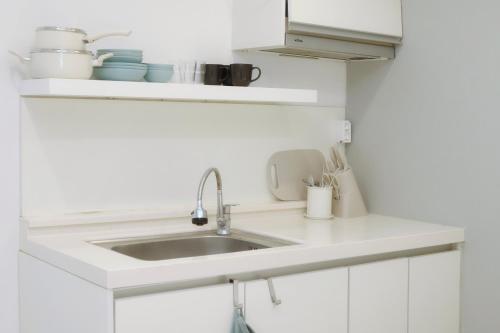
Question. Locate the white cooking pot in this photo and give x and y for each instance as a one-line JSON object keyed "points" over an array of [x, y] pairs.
{"points": [[68, 38], [62, 64]]}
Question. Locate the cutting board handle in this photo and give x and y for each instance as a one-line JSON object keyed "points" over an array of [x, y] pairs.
{"points": [[273, 176], [286, 170]]}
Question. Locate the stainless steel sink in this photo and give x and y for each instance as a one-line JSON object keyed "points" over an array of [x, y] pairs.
{"points": [[190, 245]]}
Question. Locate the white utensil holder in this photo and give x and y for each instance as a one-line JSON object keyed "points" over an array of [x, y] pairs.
{"points": [[319, 202]]}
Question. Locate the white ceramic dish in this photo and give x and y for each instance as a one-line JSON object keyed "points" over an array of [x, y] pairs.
{"points": [[68, 38], [61, 64]]}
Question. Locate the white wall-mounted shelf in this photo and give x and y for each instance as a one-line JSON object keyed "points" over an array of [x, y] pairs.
{"points": [[94, 89]]}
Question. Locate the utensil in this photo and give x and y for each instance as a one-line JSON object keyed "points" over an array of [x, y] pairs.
{"points": [[333, 159], [241, 75], [330, 166], [335, 186], [343, 159], [329, 178], [61, 64], [286, 171], [51, 37], [336, 159], [310, 180]]}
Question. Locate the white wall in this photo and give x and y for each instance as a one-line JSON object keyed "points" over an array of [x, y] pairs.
{"points": [[95, 155], [169, 30], [9, 175], [426, 140]]}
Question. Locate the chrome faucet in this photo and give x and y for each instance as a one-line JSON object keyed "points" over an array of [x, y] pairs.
{"points": [[199, 216]]}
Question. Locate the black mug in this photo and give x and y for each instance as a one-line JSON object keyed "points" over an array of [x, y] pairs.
{"points": [[241, 75], [215, 74]]}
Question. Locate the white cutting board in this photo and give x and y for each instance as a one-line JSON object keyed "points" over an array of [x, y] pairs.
{"points": [[286, 169]]}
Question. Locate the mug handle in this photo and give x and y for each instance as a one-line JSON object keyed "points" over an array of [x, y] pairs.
{"points": [[258, 76], [226, 73]]}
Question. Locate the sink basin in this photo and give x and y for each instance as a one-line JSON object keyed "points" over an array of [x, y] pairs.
{"points": [[190, 245]]}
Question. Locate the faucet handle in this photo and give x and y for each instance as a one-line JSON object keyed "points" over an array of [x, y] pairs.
{"points": [[227, 208]]}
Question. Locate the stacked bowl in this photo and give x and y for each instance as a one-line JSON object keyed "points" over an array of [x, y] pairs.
{"points": [[159, 73], [124, 65]]}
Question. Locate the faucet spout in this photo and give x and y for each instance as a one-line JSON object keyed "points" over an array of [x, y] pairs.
{"points": [[200, 216]]}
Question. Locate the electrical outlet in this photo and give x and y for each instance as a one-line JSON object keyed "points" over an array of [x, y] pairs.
{"points": [[344, 131]]}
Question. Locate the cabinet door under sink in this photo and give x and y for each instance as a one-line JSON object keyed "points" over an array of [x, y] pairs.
{"points": [[203, 309], [310, 302]]}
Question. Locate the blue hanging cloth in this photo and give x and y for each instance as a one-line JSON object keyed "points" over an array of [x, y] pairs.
{"points": [[239, 324]]}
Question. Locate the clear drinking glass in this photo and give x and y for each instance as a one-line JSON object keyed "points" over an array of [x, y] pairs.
{"points": [[191, 72]]}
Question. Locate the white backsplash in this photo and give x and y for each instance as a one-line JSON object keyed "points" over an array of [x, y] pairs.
{"points": [[85, 155]]}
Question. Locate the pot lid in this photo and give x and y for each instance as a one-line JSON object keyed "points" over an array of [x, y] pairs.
{"points": [[65, 51], [64, 29]]}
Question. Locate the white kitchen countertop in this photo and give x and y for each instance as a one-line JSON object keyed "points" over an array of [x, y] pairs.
{"points": [[318, 241]]}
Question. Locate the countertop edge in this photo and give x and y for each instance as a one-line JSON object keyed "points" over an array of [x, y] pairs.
{"points": [[226, 265]]}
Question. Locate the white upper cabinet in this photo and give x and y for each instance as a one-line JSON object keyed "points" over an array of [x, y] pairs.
{"points": [[334, 29], [381, 17], [310, 302]]}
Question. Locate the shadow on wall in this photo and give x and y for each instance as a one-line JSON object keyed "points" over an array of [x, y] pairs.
{"points": [[360, 114]]}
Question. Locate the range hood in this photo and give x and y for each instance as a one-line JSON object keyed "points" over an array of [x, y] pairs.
{"points": [[333, 29], [307, 46]]}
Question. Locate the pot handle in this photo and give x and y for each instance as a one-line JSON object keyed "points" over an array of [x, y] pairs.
{"points": [[92, 39], [22, 59], [98, 62]]}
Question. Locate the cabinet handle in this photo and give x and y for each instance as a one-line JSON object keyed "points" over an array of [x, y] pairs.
{"points": [[272, 292]]}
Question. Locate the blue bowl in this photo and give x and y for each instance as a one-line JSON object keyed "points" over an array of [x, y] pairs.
{"points": [[124, 65], [128, 59], [161, 75], [161, 66], [119, 74]]}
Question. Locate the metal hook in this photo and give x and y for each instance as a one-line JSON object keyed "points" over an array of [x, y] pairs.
{"points": [[236, 295], [272, 292]]}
